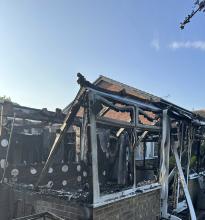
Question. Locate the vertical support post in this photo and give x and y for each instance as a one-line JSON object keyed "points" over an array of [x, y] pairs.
{"points": [[198, 143], [8, 149], [180, 144], [144, 153], [164, 162], [83, 143], [1, 120], [190, 142], [184, 185], [136, 145], [164, 166], [93, 136]]}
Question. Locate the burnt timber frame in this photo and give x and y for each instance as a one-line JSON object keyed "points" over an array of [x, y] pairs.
{"points": [[93, 93], [93, 96], [168, 110], [167, 113]]}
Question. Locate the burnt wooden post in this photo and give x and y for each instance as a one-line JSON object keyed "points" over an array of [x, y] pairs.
{"points": [[93, 136], [184, 184], [164, 163], [164, 166]]}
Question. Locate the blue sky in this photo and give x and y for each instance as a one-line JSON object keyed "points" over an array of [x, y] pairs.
{"points": [[44, 43]]}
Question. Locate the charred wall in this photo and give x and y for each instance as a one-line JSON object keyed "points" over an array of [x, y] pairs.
{"points": [[27, 203], [139, 207]]}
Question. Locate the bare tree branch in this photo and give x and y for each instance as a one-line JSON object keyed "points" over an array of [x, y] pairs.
{"points": [[200, 6]]}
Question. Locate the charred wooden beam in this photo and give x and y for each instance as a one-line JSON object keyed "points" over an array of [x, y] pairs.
{"points": [[120, 96], [9, 109], [59, 136]]}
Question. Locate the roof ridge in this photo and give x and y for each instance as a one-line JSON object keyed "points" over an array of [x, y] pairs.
{"points": [[105, 78]]}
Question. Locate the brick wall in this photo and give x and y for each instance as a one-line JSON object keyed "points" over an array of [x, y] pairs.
{"points": [[65, 210], [27, 203], [144, 206]]}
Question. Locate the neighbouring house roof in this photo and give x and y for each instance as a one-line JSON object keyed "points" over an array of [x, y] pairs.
{"points": [[115, 86]]}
